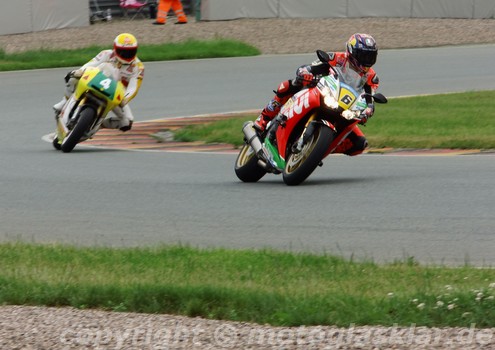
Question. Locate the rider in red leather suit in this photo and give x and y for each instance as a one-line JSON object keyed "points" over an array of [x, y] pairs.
{"points": [[360, 56]]}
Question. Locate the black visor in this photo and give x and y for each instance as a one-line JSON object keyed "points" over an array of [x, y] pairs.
{"points": [[366, 58], [127, 53]]}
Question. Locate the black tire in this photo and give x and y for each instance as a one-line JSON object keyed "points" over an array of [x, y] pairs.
{"points": [[86, 119], [55, 144], [300, 165], [246, 165]]}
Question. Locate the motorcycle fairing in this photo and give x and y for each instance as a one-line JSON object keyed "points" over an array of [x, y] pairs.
{"points": [[295, 109], [100, 82], [339, 138], [273, 156], [95, 80]]}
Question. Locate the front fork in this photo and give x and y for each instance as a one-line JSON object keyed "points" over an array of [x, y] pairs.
{"points": [[62, 119], [308, 131], [66, 119]]}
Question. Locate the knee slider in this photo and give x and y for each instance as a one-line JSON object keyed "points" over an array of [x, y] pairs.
{"points": [[361, 143]]}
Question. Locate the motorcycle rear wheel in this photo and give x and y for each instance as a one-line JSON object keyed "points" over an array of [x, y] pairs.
{"points": [[300, 165], [246, 165], [86, 119]]}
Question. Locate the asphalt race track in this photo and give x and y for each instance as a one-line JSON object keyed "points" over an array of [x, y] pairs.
{"points": [[435, 208]]}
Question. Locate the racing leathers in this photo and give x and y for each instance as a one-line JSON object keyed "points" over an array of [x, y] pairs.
{"points": [[366, 80], [131, 76]]}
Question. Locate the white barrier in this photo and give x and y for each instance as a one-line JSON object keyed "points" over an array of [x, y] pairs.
{"points": [[23, 16], [211, 10]]}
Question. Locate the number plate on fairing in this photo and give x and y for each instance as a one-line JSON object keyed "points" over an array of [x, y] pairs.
{"points": [[104, 84], [347, 96]]}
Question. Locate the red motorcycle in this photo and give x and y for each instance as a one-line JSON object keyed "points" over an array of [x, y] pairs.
{"points": [[309, 127]]}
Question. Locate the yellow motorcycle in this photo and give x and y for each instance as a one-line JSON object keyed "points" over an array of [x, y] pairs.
{"points": [[97, 92]]}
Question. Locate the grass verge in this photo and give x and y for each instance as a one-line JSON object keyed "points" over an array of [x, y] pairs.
{"points": [[459, 121], [190, 49], [263, 286]]}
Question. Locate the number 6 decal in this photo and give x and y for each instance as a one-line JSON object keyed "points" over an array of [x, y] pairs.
{"points": [[346, 99]]}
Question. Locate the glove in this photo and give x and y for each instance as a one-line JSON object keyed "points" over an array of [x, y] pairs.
{"points": [[367, 113], [77, 73], [304, 77]]}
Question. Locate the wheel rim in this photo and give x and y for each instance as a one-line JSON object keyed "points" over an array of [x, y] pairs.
{"points": [[296, 159], [245, 156]]}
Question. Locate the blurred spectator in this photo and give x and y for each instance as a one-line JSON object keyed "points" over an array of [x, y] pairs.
{"points": [[163, 9]]}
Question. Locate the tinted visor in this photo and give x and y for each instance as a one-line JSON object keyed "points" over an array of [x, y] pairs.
{"points": [[127, 54], [366, 58]]}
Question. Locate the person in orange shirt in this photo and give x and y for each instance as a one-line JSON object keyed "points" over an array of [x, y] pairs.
{"points": [[163, 8]]}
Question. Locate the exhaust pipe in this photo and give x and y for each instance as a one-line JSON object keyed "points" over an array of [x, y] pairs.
{"points": [[255, 142], [252, 137]]}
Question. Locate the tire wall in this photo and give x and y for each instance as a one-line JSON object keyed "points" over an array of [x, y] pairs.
{"points": [[211, 10]]}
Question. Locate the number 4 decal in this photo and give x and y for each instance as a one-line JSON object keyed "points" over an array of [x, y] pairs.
{"points": [[105, 83]]}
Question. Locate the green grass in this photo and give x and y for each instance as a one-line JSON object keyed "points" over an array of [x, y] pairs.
{"points": [[460, 121], [262, 286], [228, 130], [190, 49]]}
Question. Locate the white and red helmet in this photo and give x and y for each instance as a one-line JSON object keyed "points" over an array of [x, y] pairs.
{"points": [[125, 47]]}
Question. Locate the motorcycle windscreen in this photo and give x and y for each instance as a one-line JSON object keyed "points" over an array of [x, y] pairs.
{"points": [[351, 78]]}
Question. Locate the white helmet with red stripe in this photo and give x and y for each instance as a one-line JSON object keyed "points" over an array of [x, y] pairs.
{"points": [[125, 47]]}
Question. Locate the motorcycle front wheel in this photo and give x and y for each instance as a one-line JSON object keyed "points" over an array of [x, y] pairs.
{"points": [[56, 144], [86, 119], [300, 165], [246, 165]]}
